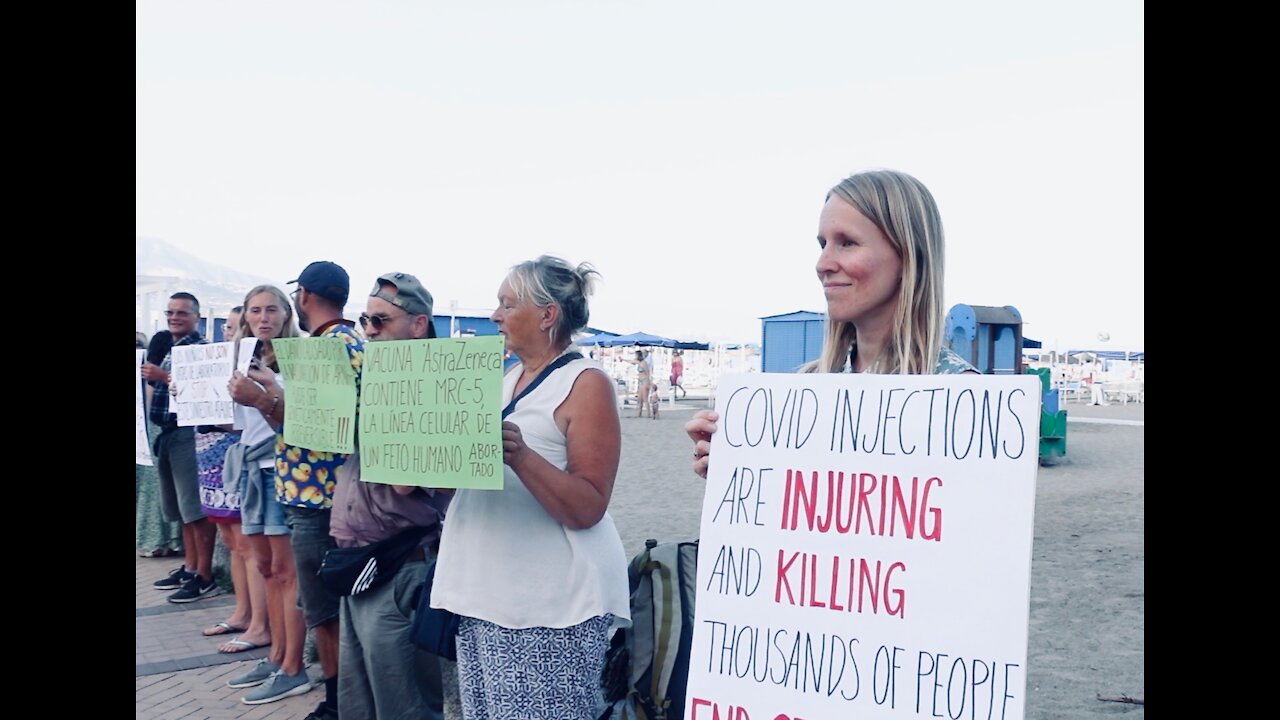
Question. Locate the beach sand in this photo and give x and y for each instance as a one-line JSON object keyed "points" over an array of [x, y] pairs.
{"points": [[1086, 636]]}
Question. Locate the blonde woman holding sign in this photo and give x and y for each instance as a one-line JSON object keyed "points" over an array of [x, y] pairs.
{"points": [[267, 315], [880, 262]]}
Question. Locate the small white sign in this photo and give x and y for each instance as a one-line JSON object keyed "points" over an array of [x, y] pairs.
{"points": [[201, 373], [244, 354], [141, 442]]}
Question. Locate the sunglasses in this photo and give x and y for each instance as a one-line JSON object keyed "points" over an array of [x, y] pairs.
{"points": [[377, 321]]}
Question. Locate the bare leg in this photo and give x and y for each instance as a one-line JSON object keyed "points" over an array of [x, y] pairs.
{"points": [[204, 534], [260, 557], [327, 647], [259, 628], [284, 576], [243, 612], [190, 554]]}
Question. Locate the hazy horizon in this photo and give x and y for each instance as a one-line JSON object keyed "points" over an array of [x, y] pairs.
{"points": [[683, 149]]}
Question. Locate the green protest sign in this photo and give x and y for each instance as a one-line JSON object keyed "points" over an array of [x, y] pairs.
{"points": [[319, 393], [431, 412]]}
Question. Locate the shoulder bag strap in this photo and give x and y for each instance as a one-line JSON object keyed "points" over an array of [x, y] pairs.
{"points": [[558, 363]]}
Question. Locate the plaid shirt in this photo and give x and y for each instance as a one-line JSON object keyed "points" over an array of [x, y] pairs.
{"points": [[160, 414]]}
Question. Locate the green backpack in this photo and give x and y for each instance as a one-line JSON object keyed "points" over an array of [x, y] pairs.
{"points": [[647, 665]]}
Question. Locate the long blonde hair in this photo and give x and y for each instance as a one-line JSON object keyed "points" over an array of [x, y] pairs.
{"points": [[904, 210], [287, 330]]}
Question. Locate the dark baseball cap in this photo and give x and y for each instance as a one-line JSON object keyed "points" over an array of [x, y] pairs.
{"points": [[409, 295], [326, 279]]}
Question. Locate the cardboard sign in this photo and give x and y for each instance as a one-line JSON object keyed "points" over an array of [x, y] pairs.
{"points": [[431, 412], [319, 393], [141, 443], [201, 373], [866, 548]]}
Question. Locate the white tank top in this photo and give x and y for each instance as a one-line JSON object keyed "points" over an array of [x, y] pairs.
{"points": [[256, 428], [504, 559]]}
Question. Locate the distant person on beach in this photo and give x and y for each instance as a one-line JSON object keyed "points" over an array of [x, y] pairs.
{"points": [[880, 263], [644, 379], [677, 372], [655, 399], [536, 570], [1093, 376]]}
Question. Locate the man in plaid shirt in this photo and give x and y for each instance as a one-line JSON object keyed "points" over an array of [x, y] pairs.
{"points": [[175, 454]]}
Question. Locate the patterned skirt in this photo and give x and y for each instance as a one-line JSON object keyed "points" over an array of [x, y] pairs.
{"points": [[531, 674], [220, 504]]}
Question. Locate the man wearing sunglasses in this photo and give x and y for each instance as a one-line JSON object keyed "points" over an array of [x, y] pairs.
{"points": [[382, 673]]}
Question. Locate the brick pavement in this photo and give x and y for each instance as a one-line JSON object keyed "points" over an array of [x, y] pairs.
{"points": [[179, 674]]}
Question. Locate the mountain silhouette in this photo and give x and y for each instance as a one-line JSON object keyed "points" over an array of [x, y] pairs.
{"points": [[162, 269]]}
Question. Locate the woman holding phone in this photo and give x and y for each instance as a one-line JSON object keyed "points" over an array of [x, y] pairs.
{"points": [[268, 315]]}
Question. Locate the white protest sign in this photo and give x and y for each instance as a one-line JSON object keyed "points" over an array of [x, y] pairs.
{"points": [[201, 374], [141, 443], [244, 354], [866, 548]]}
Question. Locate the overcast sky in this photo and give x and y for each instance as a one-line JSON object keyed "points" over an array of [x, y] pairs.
{"points": [[684, 148]]}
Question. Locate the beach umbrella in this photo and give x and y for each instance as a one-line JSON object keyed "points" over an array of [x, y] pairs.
{"points": [[691, 345], [639, 338], [598, 340]]}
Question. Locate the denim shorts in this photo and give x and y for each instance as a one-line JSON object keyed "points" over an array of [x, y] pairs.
{"points": [[260, 514], [309, 534]]}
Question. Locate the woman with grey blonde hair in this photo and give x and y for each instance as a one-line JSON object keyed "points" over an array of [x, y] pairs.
{"points": [[267, 315], [536, 570], [880, 262]]}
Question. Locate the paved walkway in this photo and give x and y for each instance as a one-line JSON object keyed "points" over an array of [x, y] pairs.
{"points": [[179, 673]]}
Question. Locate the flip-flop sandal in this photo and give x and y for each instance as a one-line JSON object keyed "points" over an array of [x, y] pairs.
{"points": [[223, 628], [237, 645]]}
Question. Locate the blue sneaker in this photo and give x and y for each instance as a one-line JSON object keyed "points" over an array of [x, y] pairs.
{"points": [[256, 675], [278, 687]]}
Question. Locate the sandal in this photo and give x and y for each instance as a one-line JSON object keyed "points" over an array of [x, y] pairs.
{"points": [[223, 628], [238, 645]]}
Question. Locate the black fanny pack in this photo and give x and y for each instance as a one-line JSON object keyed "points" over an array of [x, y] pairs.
{"points": [[351, 571]]}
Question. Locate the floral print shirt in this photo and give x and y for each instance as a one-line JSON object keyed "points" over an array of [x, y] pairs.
{"points": [[305, 478]]}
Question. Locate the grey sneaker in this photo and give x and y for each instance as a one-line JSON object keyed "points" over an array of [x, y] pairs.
{"points": [[278, 687], [174, 580], [257, 675]]}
